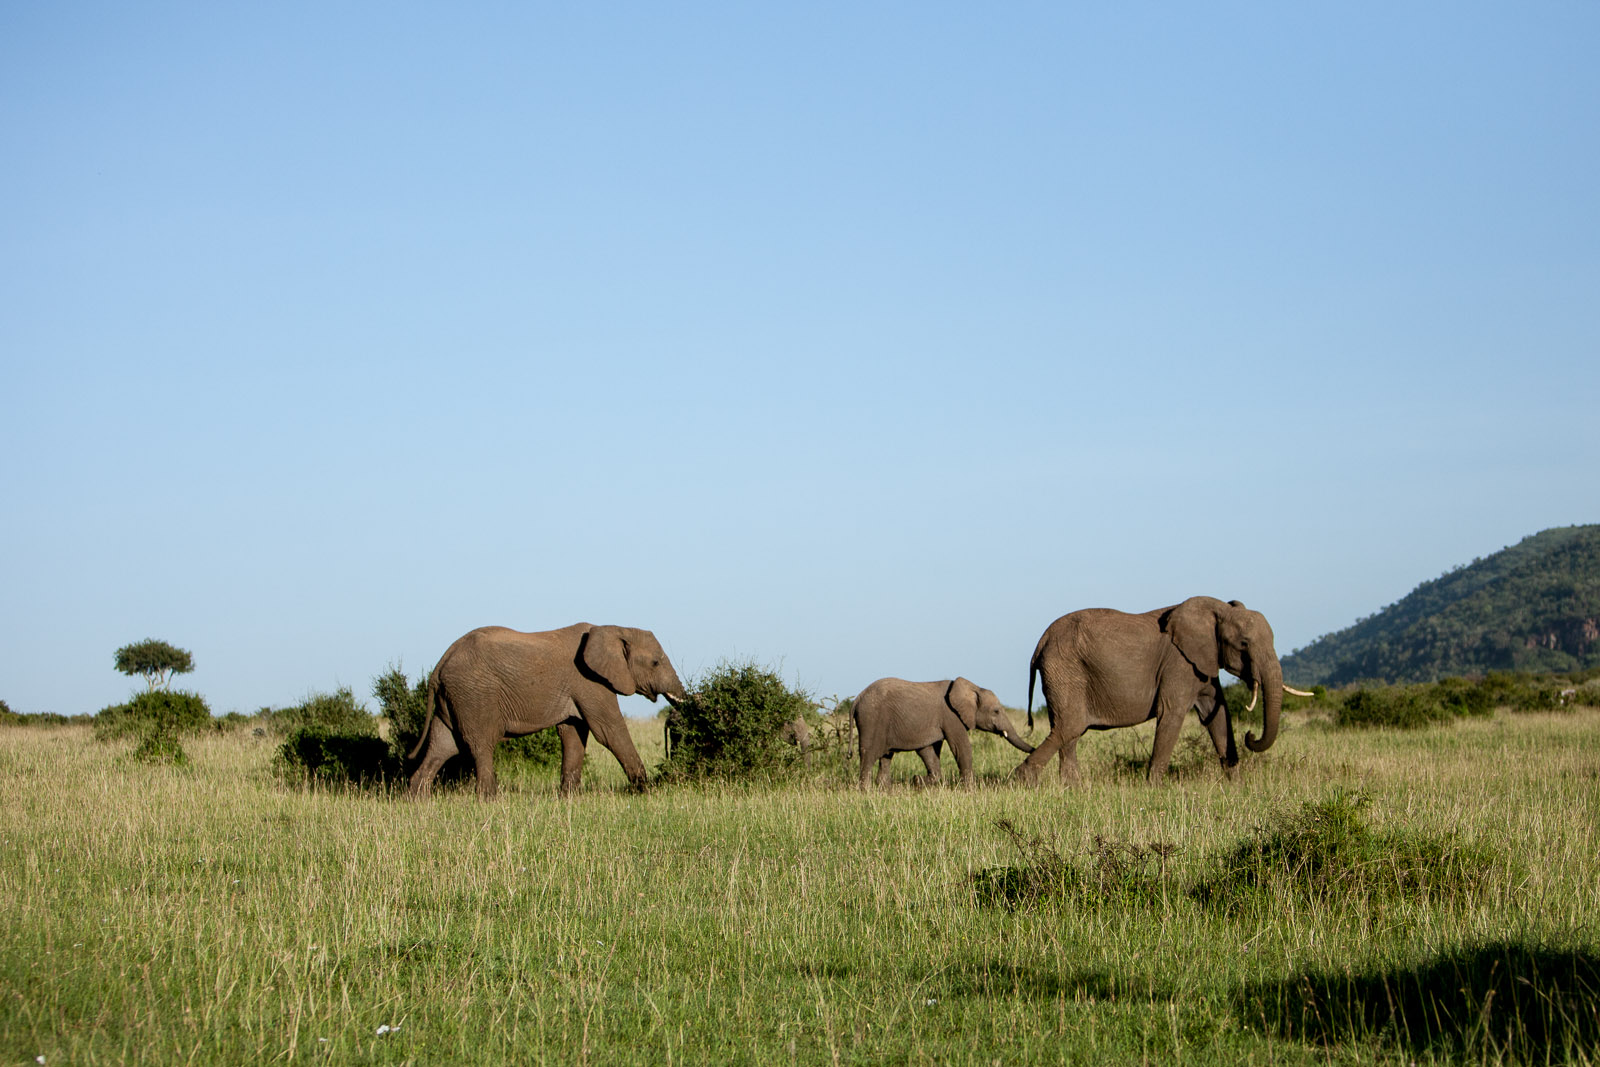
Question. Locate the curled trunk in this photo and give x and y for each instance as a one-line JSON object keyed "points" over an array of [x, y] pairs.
{"points": [[1272, 682]]}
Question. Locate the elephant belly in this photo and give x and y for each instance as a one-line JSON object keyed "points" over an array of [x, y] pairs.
{"points": [[1117, 700]]}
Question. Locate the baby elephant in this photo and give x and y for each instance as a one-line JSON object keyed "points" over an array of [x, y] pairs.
{"points": [[894, 715]]}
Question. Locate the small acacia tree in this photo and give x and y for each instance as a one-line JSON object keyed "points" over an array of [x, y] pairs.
{"points": [[156, 661], [730, 725]]}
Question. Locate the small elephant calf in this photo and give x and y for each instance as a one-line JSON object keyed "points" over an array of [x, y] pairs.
{"points": [[894, 715]]}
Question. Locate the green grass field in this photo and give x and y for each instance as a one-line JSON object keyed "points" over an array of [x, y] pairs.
{"points": [[208, 914]]}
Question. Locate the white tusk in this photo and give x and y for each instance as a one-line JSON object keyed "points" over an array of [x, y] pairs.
{"points": [[1255, 687], [1297, 692]]}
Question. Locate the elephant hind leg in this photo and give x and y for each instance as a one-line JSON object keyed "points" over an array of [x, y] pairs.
{"points": [[930, 760], [441, 746], [883, 770], [482, 750]]}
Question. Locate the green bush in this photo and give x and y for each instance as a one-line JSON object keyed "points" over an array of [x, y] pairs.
{"points": [[730, 725], [33, 718], [1112, 872], [336, 756], [404, 705], [1401, 707], [335, 712], [160, 747], [1326, 851], [172, 712]]}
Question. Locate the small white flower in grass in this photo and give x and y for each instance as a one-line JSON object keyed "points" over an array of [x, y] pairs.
{"points": [[322, 1041], [38, 1059], [931, 1001], [387, 1029]]}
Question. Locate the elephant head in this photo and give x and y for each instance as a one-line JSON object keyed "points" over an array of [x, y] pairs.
{"points": [[630, 661], [980, 709], [1216, 636]]}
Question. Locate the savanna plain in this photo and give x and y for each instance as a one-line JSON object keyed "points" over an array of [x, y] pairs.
{"points": [[210, 913]]}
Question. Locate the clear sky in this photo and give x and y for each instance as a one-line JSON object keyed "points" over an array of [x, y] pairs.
{"points": [[859, 339]]}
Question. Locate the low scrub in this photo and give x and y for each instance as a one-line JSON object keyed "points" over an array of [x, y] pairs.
{"points": [[731, 723], [1416, 706], [332, 740], [335, 712], [32, 718], [1110, 871], [318, 754], [1326, 851], [171, 712]]}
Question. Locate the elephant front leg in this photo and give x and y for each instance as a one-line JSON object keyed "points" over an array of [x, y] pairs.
{"points": [[574, 737], [1219, 724], [960, 746], [605, 721]]}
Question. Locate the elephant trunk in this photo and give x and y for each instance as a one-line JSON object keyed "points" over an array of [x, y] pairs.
{"points": [[1271, 680], [1017, 742]]}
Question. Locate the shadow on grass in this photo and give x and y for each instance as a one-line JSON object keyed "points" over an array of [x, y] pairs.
{"points": [[1507, 1000]]}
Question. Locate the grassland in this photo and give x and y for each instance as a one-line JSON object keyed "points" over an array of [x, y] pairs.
{"points": [[208, 914]]}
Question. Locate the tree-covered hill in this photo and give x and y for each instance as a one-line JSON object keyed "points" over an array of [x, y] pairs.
{"points": [[1532, 607]]}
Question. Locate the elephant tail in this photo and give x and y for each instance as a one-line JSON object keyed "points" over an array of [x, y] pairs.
{"points": [[1036, 671], [427, 723]]}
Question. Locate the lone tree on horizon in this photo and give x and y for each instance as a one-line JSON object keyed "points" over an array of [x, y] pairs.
{"points": [[156, 660]]}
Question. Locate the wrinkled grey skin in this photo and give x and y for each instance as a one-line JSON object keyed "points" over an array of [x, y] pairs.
{"points": [[1103, 669], [495, 682], [894, 715]]}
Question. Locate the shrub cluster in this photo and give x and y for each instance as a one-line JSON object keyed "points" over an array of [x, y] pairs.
{"points": [[335, 757], [159, 718], [173, 712], [331, 739], [1326, 851], [31, 718], [1322, 851], [1413, 706], [1113, 871], [730, 725]]}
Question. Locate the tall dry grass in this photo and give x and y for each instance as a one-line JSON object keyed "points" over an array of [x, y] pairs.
{"points": [[211, 914]]}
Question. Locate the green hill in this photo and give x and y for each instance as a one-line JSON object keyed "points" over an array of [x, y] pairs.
{"points": [[1532, 607]]}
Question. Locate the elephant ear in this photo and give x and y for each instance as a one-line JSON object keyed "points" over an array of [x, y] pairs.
{"points": [[962, 696], [1192, 626], [606, 654]]}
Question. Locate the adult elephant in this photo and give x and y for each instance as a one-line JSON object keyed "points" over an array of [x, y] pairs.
{"points": [[1103, 669], [894, 715], [496, 682]]}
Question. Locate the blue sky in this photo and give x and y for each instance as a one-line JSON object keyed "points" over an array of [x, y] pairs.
{"points": [[856, 339]]}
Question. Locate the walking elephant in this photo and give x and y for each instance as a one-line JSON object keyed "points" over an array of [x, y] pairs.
{"points": [[893, 715], [1103, 669], [495, 682]]}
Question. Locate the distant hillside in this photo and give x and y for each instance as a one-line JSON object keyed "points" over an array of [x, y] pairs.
{"points": [[1532, 607]]}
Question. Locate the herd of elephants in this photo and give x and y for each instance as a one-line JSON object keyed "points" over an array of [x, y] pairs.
{"points": [[1100, 669]]}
